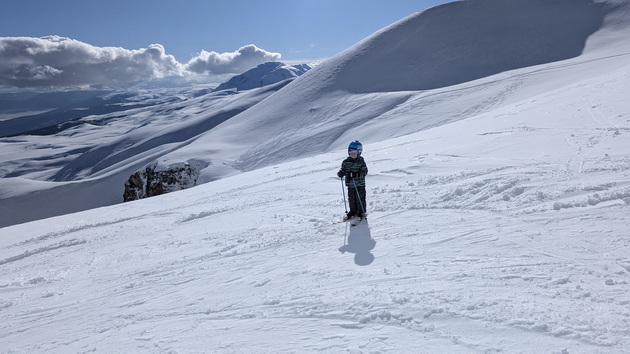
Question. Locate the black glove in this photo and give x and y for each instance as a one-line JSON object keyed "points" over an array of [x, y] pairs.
{"points": [[340, 173]]}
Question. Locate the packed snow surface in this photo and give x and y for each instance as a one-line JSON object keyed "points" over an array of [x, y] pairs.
{"points": [[499, 212], [373, 91]]}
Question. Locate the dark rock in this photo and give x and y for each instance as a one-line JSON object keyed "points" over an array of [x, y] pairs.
{"points": [[151, 182]]}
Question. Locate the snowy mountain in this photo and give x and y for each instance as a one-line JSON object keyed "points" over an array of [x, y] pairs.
{"points": [[321, 110], [498, 203], [77, 105], [264, 75], [86, 165]]}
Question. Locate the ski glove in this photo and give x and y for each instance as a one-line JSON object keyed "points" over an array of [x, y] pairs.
{"points": [[349, 175]]}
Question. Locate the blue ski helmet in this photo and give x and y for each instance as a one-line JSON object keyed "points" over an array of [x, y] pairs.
{"points": [[356, 145]]}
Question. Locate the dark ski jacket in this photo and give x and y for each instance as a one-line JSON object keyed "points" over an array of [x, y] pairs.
{"points": [[354, 169]]}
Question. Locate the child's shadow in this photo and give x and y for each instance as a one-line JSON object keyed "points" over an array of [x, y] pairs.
{"points": [[360, 243]]}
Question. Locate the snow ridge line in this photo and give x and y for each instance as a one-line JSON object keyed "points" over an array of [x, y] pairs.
{"points": [[202, 214], [73, 229], [68, 243]]}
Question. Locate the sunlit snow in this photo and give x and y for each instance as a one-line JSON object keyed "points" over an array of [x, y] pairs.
{"points": [[498, 216]]}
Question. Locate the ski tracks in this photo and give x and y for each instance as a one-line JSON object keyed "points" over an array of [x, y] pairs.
{"points": [[513, 212]]}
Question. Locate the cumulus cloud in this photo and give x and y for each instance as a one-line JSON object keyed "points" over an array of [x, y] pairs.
{"points": [[54, 60], [245, 58], [60, 61]]}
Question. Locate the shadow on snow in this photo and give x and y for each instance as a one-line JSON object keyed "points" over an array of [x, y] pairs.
{"points": [[360, 243]]}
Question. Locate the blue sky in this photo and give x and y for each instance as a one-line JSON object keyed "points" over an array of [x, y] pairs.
{"points": [[294, 28]]}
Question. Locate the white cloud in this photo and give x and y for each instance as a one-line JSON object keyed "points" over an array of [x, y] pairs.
{"points": [[243, 59], [60, 61], [54, 60]]}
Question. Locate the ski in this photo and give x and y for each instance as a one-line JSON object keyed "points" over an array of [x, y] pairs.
{"points": [[354, 220], [350, 220], [357, 221]]}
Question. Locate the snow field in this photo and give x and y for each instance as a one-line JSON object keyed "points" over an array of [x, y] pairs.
{"points": [[504, 232], [499, 225], [457, 266]]}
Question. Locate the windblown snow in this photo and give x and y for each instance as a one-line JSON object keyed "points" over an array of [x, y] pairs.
{"points": [[498, 204]]}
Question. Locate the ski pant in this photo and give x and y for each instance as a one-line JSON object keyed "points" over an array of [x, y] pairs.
{"points": [[355, 206]]}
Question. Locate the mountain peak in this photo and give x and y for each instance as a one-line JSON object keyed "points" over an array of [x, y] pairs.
{"points": [[264, 74]]}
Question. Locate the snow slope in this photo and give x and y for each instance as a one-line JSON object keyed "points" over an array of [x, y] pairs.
{"points": [[504, 232], [87, 165], [375, 90], [499, 225]]}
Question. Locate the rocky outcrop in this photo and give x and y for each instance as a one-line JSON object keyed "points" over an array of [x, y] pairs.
{"points": [[154, 181]]}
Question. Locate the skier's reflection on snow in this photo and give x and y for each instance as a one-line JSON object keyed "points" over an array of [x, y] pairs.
{"points": [[360, 243]]}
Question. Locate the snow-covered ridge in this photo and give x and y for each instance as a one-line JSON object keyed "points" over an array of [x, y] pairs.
{"points": [[467, 40], [316, 112], [263, 75], [47, 113]]}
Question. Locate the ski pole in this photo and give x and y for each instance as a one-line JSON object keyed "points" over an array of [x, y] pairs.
{"points": [[358, 196], [344, 196]]}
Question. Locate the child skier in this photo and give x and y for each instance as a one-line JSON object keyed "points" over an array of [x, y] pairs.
{"points": [[354, 170]]}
